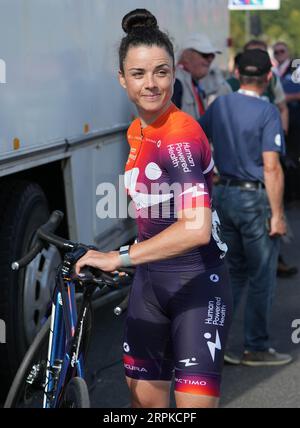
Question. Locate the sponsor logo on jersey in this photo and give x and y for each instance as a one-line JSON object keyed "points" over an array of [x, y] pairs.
{"points": [[190, 382], [181, 155], [213, 346], [145, 200], [195, 191], [188, 362], [126, 347], [135, 368], [216, 312]]}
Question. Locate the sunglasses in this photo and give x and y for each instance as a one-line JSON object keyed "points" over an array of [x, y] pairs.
{"points": [[279, 51], [207, 55]]}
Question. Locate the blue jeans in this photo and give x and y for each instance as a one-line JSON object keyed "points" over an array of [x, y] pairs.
{"points": [[252, 257]]}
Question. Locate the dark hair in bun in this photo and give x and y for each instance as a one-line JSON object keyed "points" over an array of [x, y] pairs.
{"points": [[138, 18], [142, 29]]}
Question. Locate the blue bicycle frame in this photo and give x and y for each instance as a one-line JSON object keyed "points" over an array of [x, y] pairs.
{"points": [[64, 360]]}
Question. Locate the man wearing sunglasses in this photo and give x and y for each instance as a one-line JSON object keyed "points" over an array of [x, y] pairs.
{"points": [[191, 89]]}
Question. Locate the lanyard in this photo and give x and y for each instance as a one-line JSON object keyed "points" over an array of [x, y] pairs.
{"points": [[199, 101], [249, 93]]}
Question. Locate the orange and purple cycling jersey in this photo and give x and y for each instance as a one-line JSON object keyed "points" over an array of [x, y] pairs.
{"points": [[179, 309], [169, 169]]}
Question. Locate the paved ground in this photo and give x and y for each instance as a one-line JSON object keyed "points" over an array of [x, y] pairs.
{"points": [[242, 387]]}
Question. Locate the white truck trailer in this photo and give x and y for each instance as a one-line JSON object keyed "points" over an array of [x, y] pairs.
{"points": [[63, 118]]}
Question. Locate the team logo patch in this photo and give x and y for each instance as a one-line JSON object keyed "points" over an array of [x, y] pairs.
{"points": [[188, 362], [214, 278], [213, 346], [126, 347]]}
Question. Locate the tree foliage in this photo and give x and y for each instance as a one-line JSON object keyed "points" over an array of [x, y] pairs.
{"points": [[281, 25]]}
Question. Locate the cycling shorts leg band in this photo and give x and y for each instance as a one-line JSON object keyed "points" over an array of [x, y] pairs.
{"points": [[139, 369], [197, 384]]}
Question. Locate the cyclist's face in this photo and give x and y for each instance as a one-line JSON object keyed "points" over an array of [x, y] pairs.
{"points": [[149, 79]]}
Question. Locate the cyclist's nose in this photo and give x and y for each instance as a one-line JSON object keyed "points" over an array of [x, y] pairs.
{"points": [[150, 81]]}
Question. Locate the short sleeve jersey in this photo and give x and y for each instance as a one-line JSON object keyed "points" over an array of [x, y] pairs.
{"points": [[169, 169], [241, 128]]}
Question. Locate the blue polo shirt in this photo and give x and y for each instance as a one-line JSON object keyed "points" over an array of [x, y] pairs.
{"points": [[241, 128]]}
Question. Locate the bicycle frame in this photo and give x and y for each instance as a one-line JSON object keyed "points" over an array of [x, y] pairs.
{"points": [[64, 357]]}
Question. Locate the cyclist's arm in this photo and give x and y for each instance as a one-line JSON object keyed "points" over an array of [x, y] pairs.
{"points": [[191, 231]]}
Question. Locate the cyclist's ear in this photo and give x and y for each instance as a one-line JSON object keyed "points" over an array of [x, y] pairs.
{"points": [[122, 80]]}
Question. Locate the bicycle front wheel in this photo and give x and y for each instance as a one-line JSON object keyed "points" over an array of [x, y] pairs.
{"points": [[27, 389], [76, 395]]}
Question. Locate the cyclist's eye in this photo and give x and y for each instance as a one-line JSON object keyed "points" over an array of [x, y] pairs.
{"points": [[162, 72], [137, 75]]}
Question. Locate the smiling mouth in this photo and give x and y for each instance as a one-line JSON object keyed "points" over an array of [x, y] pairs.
{"points": [[151, 96]]}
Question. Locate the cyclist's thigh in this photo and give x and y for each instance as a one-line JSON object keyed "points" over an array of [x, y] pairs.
{"points": [[201, 317], [147, 342]]}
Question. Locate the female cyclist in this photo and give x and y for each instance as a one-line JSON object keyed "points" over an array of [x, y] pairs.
{"points": [[180, 305]]}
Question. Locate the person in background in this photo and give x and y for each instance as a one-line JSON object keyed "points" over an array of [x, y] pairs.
{"points": [[196, 80], [247, 136], [274, 93], [233, 80], [291, 86]]}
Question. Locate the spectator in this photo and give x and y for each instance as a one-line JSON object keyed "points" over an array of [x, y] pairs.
{"points": [[196, 57], [274, 92], [233, 80], [291, 87], [247, 137]]}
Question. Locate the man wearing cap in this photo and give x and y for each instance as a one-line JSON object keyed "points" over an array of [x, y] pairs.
{"points": [[247, 136], [191, 89]]}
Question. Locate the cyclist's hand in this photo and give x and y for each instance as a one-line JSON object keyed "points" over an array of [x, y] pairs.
{"points": [[278, 227], [108, 262]]}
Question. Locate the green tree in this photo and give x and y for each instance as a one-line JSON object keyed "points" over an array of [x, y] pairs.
{"points": [[277, 25]]}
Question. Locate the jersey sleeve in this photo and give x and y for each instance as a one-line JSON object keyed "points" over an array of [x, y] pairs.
{"points": [[186, 161], [272, 134]]}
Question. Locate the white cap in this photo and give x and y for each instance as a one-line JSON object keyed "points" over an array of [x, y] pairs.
{"points": [[200, 43]]}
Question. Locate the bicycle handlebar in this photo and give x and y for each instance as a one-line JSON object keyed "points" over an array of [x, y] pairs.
{"points": [[44, 235]]}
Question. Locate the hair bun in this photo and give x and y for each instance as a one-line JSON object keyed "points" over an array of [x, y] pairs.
{"points": [[138, 18]]}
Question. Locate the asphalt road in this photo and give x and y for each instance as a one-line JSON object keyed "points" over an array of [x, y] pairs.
{"points": [[242, 387]]}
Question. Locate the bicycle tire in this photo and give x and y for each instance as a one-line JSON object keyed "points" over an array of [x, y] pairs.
{"points": [[76, 395], [19, 382]]}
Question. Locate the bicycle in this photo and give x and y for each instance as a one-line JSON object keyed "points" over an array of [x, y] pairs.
{"points": [[52, 373]]}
